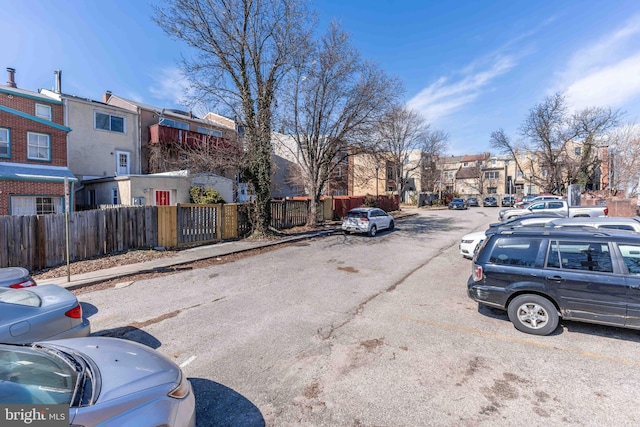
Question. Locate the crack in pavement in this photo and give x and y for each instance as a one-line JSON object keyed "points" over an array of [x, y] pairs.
{"points": [[325, 335]]}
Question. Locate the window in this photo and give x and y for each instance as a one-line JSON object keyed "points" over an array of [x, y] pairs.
{"points": [[38, 146], [492, 175], [465, 164], [173, 123], [43, 111], [631, 255], [212, 132], [580, 256], [35, 205], [519, 174], [115, 200], [5, 147], [91, 197], [109, 122], [516, 252], [44, 205], [578, 151], [544, 173], [492, 190], [494, 162], [556, 205]]}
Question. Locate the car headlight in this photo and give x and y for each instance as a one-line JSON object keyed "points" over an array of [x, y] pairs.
{"points": [[182, 390]]}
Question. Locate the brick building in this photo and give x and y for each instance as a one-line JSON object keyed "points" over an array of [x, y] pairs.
{"points": [[33, 152]]}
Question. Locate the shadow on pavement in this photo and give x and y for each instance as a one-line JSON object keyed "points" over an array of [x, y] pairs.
{"points": [[217, 405]]}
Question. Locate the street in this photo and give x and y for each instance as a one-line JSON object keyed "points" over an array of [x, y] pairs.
{"points": [[359, 331]]}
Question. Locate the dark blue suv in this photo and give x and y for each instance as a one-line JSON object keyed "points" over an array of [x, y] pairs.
{"points": [[540, 275]]}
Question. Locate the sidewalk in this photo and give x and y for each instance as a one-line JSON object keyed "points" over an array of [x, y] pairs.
{"points": [[182, 257], [195, 254]]}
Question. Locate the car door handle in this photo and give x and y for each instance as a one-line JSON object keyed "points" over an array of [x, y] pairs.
{"points": [[555, 279]]}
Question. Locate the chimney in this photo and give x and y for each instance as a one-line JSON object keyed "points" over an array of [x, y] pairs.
{"points": [[106, 96], [12, 77], [58, 74]]}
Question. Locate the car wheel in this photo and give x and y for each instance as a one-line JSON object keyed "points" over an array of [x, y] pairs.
{"points": [[391, 225], [373, 230], [346, 232], [533, 314]]}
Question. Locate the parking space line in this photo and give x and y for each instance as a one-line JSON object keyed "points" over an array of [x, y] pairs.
{"points": [[189, 360], [523, 341]]}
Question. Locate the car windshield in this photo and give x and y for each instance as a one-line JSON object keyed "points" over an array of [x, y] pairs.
{"points": [[30, 376], [19, 296], [356, 214]]}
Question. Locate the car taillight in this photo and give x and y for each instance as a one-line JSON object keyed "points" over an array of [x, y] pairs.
{"points": [[25, 284], [606, 211], [364, 218], [75, 312], [477, 273]]}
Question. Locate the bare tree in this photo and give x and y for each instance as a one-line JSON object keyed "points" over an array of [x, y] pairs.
{"points": [[435, 145], [624, 143], [244, 50], [550, 134], [592, 125], [401, 133], [332, 103]]}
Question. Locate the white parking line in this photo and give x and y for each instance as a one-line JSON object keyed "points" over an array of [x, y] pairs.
{"points": [[189, 360]]}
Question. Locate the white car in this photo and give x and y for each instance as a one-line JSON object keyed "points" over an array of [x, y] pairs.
{"points": [[470, 242], [367, 220]]}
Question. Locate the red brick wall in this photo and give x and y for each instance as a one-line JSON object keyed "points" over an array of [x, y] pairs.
{"points": [[18, 128], [617, 206], [30, 188]]}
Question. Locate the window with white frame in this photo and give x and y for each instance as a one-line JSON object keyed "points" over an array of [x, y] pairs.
{"points": [[43, 111], [492, 175], [494, 162], [35, 205], [115, 200], [104, 121], [5, 146], [38, 146]]}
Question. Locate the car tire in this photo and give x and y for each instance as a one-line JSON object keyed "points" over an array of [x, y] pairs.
{"points": [[373, 230], [346, 232], [391, 225], [533, 314]]}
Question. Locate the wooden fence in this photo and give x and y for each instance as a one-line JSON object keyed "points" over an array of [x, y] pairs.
{"points": [[38, 242]]}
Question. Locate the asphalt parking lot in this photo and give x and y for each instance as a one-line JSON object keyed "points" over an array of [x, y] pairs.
{"points": [[358, 331]]}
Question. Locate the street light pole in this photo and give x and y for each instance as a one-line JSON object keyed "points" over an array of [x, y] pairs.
{"points": [[377, 180]]}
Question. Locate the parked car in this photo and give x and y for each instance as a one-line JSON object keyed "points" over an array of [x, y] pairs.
{"points": [[40, 313], [559, 206], [541, 275], [602, 222], [103, 381], [458, 204], [15, 277], [490, 201], [367, 220], [527, 200], [470, 242], [508, 201], [472, 201]]}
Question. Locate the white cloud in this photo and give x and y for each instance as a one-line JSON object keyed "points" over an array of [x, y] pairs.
{"points": [[615, 85], [169, 86], [606, 73]]}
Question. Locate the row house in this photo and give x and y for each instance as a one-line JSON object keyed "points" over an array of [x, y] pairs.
{"points": [[34, 177]]}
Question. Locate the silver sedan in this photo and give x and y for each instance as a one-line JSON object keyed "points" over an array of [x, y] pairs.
{"points": [[103, 381], [40, 313]]}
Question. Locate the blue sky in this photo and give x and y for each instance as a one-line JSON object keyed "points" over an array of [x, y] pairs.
{"points": [[471, 67]]}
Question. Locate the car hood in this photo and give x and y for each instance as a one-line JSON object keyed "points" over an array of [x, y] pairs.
{"points": [[474, 236], [125, 366]]}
